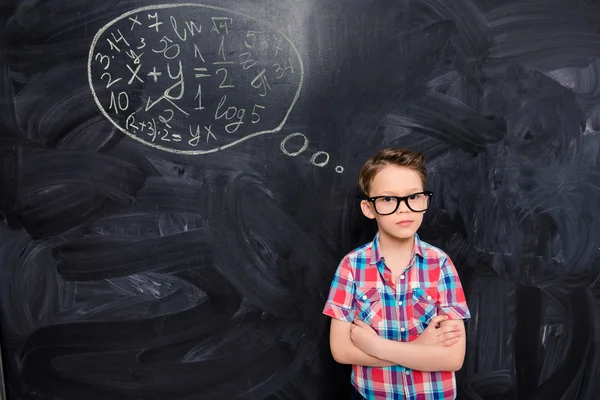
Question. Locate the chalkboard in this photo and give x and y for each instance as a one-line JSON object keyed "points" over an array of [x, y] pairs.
{"points": [[179, 182]]}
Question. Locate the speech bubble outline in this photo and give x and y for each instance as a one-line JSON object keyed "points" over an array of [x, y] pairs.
{"points": [[181, 5]]}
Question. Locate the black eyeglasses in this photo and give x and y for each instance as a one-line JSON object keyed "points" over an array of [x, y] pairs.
{"points": [[416, 202]]}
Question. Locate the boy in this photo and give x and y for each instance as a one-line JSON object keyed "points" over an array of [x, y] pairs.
{"points": [[388, 296]]}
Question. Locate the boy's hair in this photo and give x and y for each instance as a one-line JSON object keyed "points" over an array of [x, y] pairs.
{"points": [[392, 156]]}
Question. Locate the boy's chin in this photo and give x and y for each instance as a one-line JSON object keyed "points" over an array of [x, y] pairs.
{"points": [[404, 235]]}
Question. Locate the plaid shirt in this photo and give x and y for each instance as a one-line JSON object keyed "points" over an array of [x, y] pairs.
{"points": [[363, 287]]}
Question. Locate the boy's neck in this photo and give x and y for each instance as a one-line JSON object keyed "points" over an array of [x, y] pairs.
{"points": [[392, 247]]}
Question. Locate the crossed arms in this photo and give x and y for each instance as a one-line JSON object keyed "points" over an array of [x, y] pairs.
{"points": [[436, 349]]}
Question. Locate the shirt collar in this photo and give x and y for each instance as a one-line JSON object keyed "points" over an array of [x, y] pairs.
{"points": [[376, 255]]}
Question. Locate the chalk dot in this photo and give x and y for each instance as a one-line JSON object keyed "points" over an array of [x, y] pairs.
{"points": [[314, 162], [339, 169]]}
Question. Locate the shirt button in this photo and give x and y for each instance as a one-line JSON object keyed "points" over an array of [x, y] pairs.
{"points": [[400, 303], [402, 329], [401, 276], [364, 297], [429, 298], [407, 372]]}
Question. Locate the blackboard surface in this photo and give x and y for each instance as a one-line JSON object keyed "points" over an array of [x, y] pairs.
{"points": [[178, 184]]}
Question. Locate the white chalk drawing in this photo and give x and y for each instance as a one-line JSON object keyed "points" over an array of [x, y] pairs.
{"points": [[291, 136], [318, 159], [194, 79]]}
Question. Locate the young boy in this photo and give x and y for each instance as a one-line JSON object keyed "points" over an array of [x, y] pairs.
{"points": [[388, 296]]}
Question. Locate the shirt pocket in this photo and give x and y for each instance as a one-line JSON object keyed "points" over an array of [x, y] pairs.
{"points": [[425, 302], [369, 305]]}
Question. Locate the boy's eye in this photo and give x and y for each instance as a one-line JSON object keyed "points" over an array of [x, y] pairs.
{"points": [[415, 196], [388, 199]]}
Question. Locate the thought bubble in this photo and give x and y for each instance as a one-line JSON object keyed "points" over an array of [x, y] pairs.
{"points": [[318, 159], [193, 79]]}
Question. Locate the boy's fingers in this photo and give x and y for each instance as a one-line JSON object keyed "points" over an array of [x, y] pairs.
{"points": [[449, 328], [450, 335], [436, 320], [449, 342], [359, 322]]}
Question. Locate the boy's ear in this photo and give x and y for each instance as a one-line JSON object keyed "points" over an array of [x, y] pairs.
{"points": [[367, 209]]}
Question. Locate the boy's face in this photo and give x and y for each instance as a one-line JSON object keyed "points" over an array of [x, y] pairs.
{"points": [[393, 180]]}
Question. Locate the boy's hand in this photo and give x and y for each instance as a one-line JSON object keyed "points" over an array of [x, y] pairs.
{"points": [[364, 337], [446, 335]]}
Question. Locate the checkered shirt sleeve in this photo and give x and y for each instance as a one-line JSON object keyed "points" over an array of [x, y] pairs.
{"points": [[451, 295], [340, 302]]}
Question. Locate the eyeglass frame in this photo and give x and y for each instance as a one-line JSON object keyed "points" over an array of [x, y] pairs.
{"points": [[399, 200]]}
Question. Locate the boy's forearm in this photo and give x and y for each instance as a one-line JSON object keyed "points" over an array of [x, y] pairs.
{"points": [[355, 356], [420, 357]]}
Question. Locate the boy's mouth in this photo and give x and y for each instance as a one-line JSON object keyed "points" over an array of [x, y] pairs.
{"points": [[405, 222]]}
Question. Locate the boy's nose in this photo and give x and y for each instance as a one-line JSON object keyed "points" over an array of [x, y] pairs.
{"points": [[402, 208]]}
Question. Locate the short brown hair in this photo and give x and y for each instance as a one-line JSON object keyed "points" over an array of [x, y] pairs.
{"points": [[392, 156]]}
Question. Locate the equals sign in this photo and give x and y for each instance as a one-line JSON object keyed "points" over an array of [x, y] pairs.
{"points": [[176, 137], [199, 73]]}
